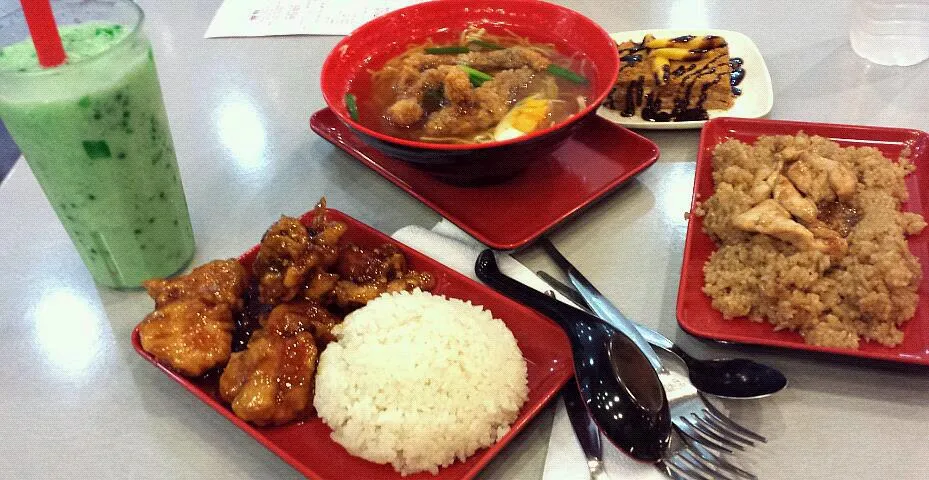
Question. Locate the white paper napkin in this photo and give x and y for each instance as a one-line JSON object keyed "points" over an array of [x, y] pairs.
{"points": [[454, 248], [262, 18]]}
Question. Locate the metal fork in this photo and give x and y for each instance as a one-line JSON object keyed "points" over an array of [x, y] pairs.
{"points": [[706, 434], [691, 460], [686, 462], [706, 431]]}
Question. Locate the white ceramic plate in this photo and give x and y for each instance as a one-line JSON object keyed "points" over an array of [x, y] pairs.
{"points": [[757, 96]]}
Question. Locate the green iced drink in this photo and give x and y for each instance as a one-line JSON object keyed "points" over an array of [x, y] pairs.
{"points": [[95, 134]]}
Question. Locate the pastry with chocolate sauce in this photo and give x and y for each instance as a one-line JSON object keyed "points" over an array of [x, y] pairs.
{"points": [[675, 79]]}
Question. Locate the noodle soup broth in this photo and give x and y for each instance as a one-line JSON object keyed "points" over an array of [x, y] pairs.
{"points": [[477, 88]]}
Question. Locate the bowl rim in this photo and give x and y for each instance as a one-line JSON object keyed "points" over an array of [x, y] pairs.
{"points": [[592, 106]]}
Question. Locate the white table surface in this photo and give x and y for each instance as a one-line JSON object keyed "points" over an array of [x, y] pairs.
{"points": [[78, 402]]}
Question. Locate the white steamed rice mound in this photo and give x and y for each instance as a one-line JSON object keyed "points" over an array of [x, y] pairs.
{"points": [[418, 380]]}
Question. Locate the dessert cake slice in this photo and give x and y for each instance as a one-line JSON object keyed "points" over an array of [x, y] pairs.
{"points": [[675, 79]]}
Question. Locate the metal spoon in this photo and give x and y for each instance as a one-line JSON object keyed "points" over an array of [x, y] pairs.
{"points": [[620, 388], [735, 378]]}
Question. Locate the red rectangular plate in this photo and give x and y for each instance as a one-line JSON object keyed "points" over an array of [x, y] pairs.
{"points": [[597, 158], [307, 446], [695, 313]]}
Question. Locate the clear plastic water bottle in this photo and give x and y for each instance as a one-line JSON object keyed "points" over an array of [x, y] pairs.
{"points": [[891, 32]]}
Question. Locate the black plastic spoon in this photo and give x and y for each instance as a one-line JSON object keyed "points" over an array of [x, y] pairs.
{"points": [[620, 388]]}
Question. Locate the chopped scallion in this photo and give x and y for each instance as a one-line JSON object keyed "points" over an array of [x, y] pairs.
{"points": [[477, 77], [351, 104], [566, 74]]}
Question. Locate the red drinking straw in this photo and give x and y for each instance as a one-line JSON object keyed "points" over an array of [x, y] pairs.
{"points": [[44, 32]]}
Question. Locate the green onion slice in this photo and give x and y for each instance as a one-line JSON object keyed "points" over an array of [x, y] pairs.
{"points": [[477, 77], [446, 50], [566, 74], [351, 103]]}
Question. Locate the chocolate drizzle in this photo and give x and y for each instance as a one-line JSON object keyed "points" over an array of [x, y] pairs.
{"points": [[682, 110], [652, 111], [633, 97], [736, 75]]}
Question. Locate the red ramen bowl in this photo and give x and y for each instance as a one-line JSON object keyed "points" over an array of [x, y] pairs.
{"points": [[348, 69]]}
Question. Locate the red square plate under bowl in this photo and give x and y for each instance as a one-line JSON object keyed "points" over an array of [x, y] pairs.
{"points": [[307, 445], [595, 159], [695, 313]]}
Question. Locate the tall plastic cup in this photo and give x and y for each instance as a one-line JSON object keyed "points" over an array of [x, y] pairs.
{"points": [[891, 32], [95, 133]]}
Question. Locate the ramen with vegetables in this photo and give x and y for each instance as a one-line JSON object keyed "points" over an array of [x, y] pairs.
{"points": [[483, 88]]}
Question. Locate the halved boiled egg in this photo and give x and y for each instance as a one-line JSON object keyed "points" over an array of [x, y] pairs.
{"points": [[528, 115]]}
